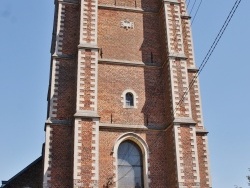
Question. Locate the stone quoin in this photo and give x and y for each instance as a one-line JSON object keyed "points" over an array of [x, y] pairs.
{"points": [[117, 113]]}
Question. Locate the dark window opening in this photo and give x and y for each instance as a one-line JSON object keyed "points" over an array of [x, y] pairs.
{"points": [[129, 99]]}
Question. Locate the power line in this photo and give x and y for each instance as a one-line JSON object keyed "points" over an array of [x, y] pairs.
{"points": [[188, 4], [192, 7], [204, 62], [196, 12], [208, 55]]}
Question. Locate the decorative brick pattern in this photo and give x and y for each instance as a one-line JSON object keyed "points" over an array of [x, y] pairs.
{"points": [[180, 84], [196, 102], [47, 158], [86, 156], [173, 19], [141, 44], [87, 81], [88, 27], [179, 154], [114, 79], [77, 154], [66, 100], [187, 36], [95, 153], [203, 160], [188, 43], [95, 62], [172, 157], [61, 156], [187, 160], [54, 89], [96, 58], [60, 28], [194, 152]]}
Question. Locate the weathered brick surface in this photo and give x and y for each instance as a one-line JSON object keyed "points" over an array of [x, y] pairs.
{"points": [[157, 158], [145, 43], [171, 171], [203, 161], [71, 29], [66, 88], [167, 90], [141, 44], [115, 79], [65, 76], [106, 167], [187, 156], [62, 157], [146, 5], [86, 84], [195, 102], [86, 155], [149, 72]]}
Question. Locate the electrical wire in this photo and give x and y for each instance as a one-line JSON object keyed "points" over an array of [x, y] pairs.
{"points": [[196, 12], [205, 60], [209, 53], [188, 4], [192, 7]]}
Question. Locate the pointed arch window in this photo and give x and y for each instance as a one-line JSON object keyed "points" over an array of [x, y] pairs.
{"points": [[130, 165]]}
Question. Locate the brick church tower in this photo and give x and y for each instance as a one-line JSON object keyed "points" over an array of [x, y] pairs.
{"points": [[118, 71]]}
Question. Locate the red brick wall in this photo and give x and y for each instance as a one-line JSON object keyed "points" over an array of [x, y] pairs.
{"points": [[146, 5], [71, 29], [106, 160], [62, 156], [187, 156], [66, 88], [86, 155], [157, 159], [171, 171], [193, 98], [129, 44], [203, 163], [145, 43], [115, 79], [158, 156], [67, 67]]}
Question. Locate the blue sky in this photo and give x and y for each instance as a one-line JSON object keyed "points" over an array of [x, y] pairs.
{"points": [[25, 36]]}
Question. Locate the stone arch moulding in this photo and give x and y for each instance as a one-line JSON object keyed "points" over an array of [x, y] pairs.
{"points": [[123, 98], [130, 136]]}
